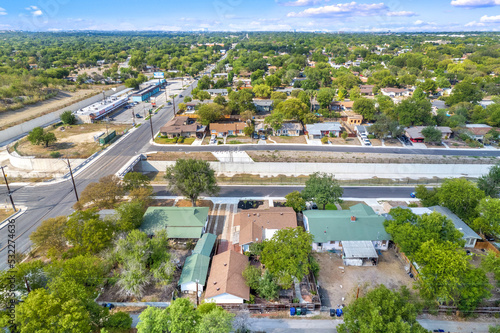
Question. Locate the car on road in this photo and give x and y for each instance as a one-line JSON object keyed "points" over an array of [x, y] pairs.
{"points": [[180, 95], [413, 194], [367, 142], [138, 115]]}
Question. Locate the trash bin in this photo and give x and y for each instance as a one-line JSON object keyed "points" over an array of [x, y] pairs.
{"points": [[299, 311], [292, 311], [304, 311], [339, 312], [332, 312]]}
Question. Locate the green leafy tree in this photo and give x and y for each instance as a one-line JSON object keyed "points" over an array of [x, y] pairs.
{"points": [[68, 118], [278, 95], [428, 197], [273, 81], [325, 97], [103, 194], [153, 320], [413, 112], [491, 263], [129, 216], [432, 134], [86, 270], [292, 108], [134, 180], [365, 107], [221, 100], [344, 136], [38, 136], [461, 197], [87, 232], [465, 91], [216, 321], [494, 329], [203, 95], [296, 201], [488, 221], [323, 189], [119, 321], [49, 236], [410, 231], [262, 90], [275, 120], [190, 178], [210, 113], [286, 255], [44, 313], [252, 276], [132, 83], [182, 316], [490, 183], [381, 311], [268, 288], [443, 271], [429, 86]]}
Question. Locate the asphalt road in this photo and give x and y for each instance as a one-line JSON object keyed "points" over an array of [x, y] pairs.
{"points": [[329, 326], [56, 199], [280, 191]]}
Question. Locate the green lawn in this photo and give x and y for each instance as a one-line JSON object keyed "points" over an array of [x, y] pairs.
{"points": [[167, 141], [330, 207]]}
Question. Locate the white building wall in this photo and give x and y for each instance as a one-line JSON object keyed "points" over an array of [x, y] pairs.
{"points": [[190, 287], [225, 298]]}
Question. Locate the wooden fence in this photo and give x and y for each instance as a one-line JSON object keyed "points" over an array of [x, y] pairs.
{"points": [[486, 246], [407, 261]]}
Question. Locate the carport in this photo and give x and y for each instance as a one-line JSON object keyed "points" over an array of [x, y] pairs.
{"points": [[359, 253]]}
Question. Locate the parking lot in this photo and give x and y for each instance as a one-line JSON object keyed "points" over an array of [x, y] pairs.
{"points": [[339, 283], [128, 114]]}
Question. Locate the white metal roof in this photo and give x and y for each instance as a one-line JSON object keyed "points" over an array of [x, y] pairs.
{"points": [[359, 249]]}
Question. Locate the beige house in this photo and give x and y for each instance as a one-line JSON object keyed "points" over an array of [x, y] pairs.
{"points": [[227, 129], [183, 126]]}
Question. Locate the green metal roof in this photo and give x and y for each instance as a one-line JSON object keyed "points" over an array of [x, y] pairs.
{"points": [[336, 225], [174, 219], [205, 245], [195, 268]]}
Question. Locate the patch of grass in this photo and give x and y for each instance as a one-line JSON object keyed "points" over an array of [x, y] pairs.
{"points": [[330, 207], [235, 142], [5, 213], [348, 204], [171, 141]]}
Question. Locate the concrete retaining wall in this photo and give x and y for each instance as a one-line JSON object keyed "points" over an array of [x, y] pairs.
{"points": [[42, 165], [340, 170], [17, 131]]}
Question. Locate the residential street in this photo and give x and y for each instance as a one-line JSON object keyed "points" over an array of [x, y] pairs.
{"points": [[329, 326]]}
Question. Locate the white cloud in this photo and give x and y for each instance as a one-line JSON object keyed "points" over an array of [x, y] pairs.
{"points": [[298, 3], [402, 13], [344, 9], [475, 24], [34, 10], [3, 11], [475, 3], [490, 19], [419, 22]]}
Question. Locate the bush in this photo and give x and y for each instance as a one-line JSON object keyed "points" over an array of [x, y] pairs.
{"points": [[332, 135], [119, 320], [55, 154], [68, 118], [324, 139], [371, 136], [181, 139]]}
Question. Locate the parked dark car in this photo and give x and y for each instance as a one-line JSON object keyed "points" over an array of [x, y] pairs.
{"points": [[138, 115]]}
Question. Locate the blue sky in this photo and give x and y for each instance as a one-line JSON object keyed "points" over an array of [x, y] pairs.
{"points": [[251, 15]]}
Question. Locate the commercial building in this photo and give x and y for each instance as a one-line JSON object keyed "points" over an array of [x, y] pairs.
{"points": [[99, 110], [146, 93]]}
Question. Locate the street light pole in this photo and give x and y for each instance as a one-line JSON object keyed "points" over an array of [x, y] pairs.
{"points": [[8, 189], [151, 122], [72, 179]]}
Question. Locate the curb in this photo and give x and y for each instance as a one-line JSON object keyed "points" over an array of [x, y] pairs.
{"points": [[20, 211]]}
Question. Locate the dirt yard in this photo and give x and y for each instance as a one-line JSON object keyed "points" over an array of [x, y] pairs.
{"points": [[5, 213], [475, 259], [335, 157], [335, 285], [76, 141], [63, 99], [289, 139], [174, 156], [348, 141]]}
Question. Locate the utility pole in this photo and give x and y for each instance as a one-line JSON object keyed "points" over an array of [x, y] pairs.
{"points": [[151, 122], [8, 189], [197, 295], [133, 118], [72, 179]]}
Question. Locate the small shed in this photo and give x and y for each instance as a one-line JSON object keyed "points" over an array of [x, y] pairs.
{"points": [[359, 253], [195, 270]]}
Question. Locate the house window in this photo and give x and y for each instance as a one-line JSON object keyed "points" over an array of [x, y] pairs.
{"points": [[230, 132]]}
